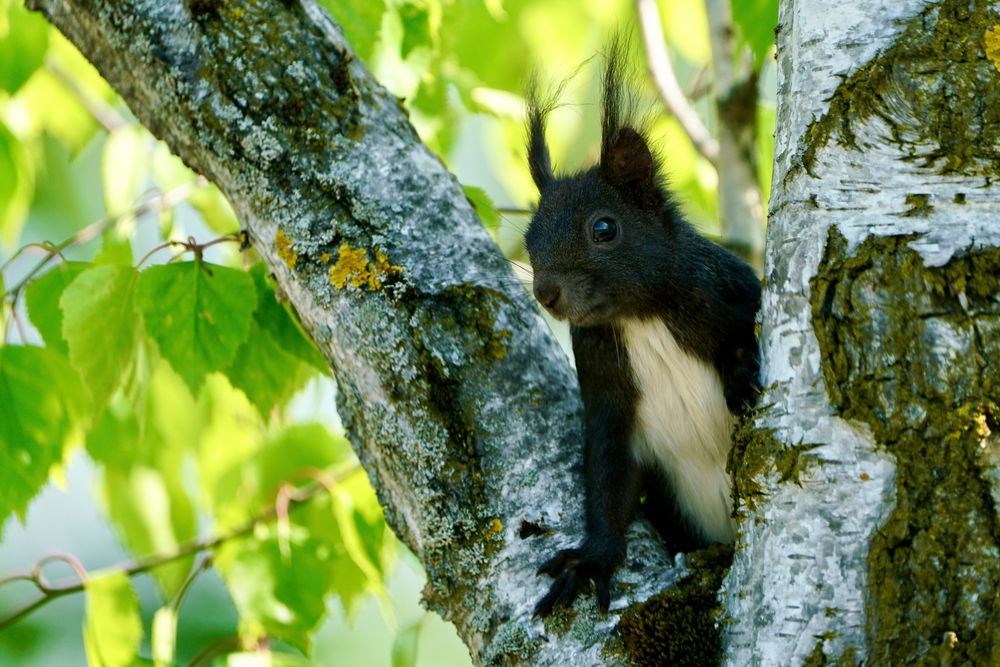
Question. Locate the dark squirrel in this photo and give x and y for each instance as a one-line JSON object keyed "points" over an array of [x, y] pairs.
{"points": [[663, 330]]}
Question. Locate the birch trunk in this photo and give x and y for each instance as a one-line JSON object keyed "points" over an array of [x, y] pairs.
{"points": [[878, 539], [461, 406]]}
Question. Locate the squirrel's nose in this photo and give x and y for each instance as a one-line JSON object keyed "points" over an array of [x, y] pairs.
{"points": [[547, 295]]}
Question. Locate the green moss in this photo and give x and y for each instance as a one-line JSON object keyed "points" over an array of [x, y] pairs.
{"points": [[918, 205], [756, 452], [817, 658], [911, 352], [680, 626], [935, 87]]}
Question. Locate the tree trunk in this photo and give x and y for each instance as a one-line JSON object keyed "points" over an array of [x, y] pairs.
{"points": [[878, 538], [461, 406]]}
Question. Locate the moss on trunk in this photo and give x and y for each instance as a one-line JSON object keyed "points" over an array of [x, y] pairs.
{"points": [[913, 352]]}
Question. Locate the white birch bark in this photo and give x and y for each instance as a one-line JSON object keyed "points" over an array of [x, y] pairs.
{"points": [[799, 587]]}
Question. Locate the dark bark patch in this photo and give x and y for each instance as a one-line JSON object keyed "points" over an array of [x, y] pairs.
{"points": [[911, 351]]}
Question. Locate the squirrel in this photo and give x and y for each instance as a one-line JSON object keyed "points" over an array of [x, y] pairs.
{"points": [[663, 329]]}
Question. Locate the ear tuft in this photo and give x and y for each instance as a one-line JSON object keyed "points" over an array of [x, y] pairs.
{"points": [[539, 161]]}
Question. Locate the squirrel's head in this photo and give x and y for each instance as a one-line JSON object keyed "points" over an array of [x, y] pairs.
{"points": [[599, 238]]}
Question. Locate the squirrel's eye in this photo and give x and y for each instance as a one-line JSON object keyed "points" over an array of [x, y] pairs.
{"points": [[604, 230]]}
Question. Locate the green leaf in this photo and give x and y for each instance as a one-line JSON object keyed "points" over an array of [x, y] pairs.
{"points": [[116, 246], [277, 359], [756, 20], [404, 646], [277, 597], [23, 43], [41, 409], [361, 22], [361, 545], [164, 636], [112, 629], [279, 321], [199, 315], [100, 326], [42, 298], [154, 514], [421, 20], [17, 183], [294, 450], [230, 436], [265, 372], [484, 207], [124, 166]]}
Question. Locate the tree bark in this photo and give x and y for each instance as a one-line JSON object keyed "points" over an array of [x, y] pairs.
{"points": [[878, 538], [461, 406]]}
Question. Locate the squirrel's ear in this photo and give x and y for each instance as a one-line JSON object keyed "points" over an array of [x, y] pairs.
{"points": [[539, 161], [628, 163]]}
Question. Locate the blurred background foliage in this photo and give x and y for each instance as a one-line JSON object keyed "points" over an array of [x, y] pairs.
{"points": [[173, 475]]}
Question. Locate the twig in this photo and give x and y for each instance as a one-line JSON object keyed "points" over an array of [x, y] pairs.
{"points": [[146, 563], [666, 82], [157, 202]]}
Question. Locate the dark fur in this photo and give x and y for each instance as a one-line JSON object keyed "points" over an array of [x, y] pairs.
{"points": [[656, 267]]}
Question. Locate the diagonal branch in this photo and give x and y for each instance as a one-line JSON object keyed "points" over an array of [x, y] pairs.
{"points": [[666, 82], [459, 403]]}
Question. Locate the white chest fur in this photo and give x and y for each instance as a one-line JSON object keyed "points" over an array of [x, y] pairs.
{"points": [[682, 423]]}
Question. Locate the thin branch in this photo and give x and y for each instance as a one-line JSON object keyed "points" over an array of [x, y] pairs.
{"points": [[666, 82], [147, 204], [147, 563]]}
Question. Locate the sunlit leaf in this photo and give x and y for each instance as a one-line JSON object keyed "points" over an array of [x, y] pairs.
{"points": [[164, 636], [23, 43], [214, 209], [124, 166], [756, 20], [231, 434], [113, 629], [116, 248], [293, 453], [198, 314], [16, 185], [41, 407], [42, 298], [154, 515], [277, 597], [361, 22], [100, 326], [404, 646]]}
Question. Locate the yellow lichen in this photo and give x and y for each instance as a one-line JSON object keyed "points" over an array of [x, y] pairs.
{"points": [[355, 269], [325, 257], [992, 39], [496, 526], [285, 250]]}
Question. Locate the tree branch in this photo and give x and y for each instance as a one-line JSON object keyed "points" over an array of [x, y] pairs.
{"points": [[459, 403], [741, 206], [131, 568], [666, 82]]}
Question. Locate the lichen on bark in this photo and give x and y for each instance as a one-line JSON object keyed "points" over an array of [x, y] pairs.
{"points": [[913, 352]]}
